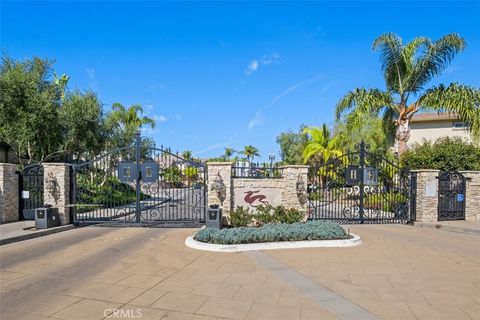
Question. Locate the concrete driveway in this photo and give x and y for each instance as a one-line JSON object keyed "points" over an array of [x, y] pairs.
{"points": [[399, 272]]}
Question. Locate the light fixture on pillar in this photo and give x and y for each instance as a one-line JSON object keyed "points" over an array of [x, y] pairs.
{"points": [[300, 187], [51, 186], [219, 187]]}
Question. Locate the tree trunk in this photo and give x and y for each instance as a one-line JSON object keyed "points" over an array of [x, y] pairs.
{"points": [[402, 135]]}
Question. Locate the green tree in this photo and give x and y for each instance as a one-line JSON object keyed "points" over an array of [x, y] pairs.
{"points": [[407, 69], [250, 152], [228, 153], [61, 83], [187, 155], [191, 174], [82, 119], [292, 145], [123, 123], [321, 146], [29, 108], [369, 129]]}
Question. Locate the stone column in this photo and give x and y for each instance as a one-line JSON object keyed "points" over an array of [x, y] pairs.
{"points": [[427, 195], [472, 196], [9, 202], [60, 197], [290, 197], [224, 169]]}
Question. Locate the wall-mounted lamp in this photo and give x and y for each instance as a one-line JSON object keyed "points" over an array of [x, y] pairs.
{"points": [[300, 186], [51, 186], [219, 187]]}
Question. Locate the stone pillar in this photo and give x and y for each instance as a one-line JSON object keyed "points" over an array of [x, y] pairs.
{"points": [[472, 195], [225, 171], [9, 201], [60, 197], [292, 174], [427, 195]]}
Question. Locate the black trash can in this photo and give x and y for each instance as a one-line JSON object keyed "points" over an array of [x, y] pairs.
{"points": [[214, 217], [46, 218]]}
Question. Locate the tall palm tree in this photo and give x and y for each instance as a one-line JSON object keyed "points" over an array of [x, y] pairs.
{"points": [[228, 153], [187, 155], [320, 146], [250, 152], [61, 83], [407, 69], [123, 123]]}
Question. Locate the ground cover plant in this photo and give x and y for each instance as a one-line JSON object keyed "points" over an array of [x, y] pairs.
{"points": [[274, 232]]}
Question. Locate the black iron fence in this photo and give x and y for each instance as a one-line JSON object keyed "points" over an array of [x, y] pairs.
{"points": [[253, 170]]}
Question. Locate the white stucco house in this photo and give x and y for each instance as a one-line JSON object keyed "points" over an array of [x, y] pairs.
{"points": [[431, 126]]}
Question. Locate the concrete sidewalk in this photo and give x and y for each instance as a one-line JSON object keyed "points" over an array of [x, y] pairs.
{"points": [[23, 230]]}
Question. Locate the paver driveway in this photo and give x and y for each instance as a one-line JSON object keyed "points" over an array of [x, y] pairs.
{"points": [[399, 272]]}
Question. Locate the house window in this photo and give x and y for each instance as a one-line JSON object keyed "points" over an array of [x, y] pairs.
{"points": [[460, 126]]}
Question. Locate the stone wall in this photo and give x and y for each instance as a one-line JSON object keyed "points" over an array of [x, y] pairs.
{"points": [[9, 198], [472, 196], [427, 195], [249, 193], [60, 197]]}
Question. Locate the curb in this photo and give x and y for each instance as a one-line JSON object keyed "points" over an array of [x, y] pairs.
{"points": [[36, 234], [194, 244]]}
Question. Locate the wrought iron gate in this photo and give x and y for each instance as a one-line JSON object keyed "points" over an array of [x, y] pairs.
{"points": [[361, 186], [140, 184], [451, 196], [31, 190]]}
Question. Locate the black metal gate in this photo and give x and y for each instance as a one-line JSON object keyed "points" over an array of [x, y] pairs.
{"points": [[363, 187], [451, 196], [31, 190], [140, 184]]}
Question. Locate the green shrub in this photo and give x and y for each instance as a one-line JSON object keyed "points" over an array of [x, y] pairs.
{"points": [[311, 230], [445, 154], [269, 214], [240, 217], [264, 214], [384, 201]]}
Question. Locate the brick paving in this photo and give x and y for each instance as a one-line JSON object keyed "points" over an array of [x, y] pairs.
{"points": [[399, 272]]}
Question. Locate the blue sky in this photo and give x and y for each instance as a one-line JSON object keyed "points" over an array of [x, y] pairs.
{"points": [[217, 74]]}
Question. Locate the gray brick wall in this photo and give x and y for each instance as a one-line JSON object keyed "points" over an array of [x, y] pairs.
{"points": [[9, 210]]}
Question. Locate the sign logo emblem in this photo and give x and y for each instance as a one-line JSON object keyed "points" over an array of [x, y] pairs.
{"points": [[255, 200]]}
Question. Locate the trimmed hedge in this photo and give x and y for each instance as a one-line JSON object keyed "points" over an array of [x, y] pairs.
{"points": [[272, 232], [444, 154]]}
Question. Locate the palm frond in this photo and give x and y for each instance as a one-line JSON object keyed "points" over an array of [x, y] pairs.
{"points": [[460, 99], [437, 57], [391, 57], [363, 101]]}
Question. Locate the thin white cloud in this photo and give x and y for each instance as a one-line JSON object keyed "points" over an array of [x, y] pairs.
{"points": [[178, 117], [90, 73], [159, 118], [155, 87], [265, 60], [259, 119], [210, 148]]}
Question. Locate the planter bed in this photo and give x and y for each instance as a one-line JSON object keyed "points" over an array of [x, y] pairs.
{"points": [[273, 236]]}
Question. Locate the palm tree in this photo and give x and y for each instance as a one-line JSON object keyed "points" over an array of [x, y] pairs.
{"points": [[187, 155], [228, 153], [123, 123], [407, 69], [250, 152], [61, 83], [320, 146]]}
